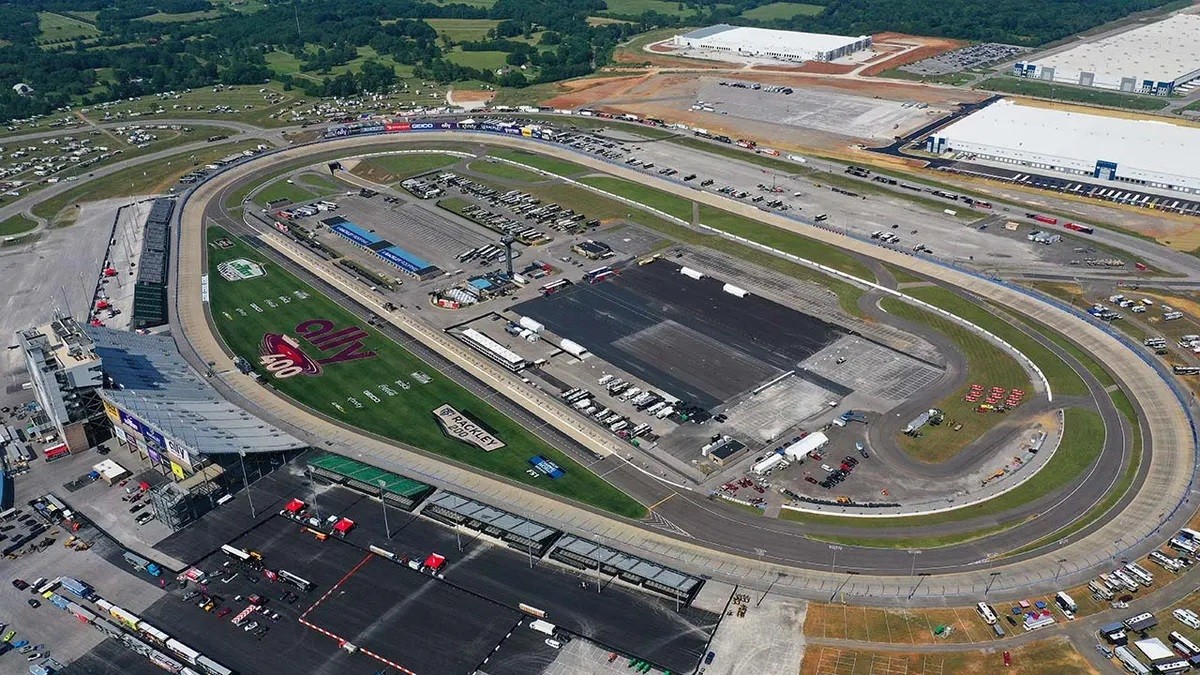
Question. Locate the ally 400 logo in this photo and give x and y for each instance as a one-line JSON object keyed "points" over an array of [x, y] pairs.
{"points": [[284, 356]]}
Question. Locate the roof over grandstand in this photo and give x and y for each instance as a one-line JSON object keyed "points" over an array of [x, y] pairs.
{"points": [[147, 377]]}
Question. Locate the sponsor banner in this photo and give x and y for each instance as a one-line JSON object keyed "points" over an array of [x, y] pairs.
{"points": [[457, 425], [178, 471], [180, 453], [121, 434], [240, 269], [204, 288], [155, 457], [546, 467], [393, 127], [418, 126], [112, 412]]}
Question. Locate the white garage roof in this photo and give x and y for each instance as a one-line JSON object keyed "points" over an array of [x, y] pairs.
{"points": [[1161, 147], [1164, 51], [766, 40]]}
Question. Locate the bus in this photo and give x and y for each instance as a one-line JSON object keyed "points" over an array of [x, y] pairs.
{"points": [[986, 613], [251, 558], [183, 651], [153, 634], [1186, 370], [211, 667], [298, 582], [1189, 534], [1130, 661], [1064, 601], [57, 452], [1183, 644]]}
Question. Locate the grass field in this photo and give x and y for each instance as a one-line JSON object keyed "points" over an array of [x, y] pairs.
{"points": [[1052, 655], [638, 7], [1062, 92], [953, 79], [554, 165], [160, 17], [1081, 445], [290, 192], [54, 27], [390, 392], [148, 178], [386, 169], [505, 171], [16, 225], [782, 10], [480, 60], [987, 364], [463, 30]]}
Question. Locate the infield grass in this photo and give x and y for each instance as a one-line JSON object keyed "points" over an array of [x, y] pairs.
{"points": [[554, 165], [1081, 445], [505, 171], [391, 393]]}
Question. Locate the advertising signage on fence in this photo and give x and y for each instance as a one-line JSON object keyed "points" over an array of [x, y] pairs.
{"points": [[457, 425], [547, 467]]}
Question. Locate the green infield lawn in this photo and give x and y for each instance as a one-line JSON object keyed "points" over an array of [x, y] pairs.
{"points": [[387, 391], [505, 171], [544, 162]]}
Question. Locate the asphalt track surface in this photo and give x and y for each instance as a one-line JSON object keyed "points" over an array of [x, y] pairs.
{"points": [[687, 337], [779, 541], [1158, 414]]}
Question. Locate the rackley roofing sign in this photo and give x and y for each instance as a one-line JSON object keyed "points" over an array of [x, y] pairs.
{"points": [[458, 425], [240, 269]]}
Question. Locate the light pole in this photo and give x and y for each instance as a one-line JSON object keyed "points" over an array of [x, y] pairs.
{"points": [[387, 528], [778, 576], [598, 570], [835, 548], [912, 572], [991, 581], [246, 480], [920, 578], [1057, 572]]}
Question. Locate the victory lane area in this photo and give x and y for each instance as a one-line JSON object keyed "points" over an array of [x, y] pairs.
{"points": [[316, 353]]}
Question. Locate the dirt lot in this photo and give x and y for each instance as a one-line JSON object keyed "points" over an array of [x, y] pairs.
{"points": [[668, 96], [1054, 655]]}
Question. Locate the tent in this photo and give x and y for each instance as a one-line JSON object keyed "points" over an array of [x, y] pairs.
{"points": [[435, 562], [295, 506], [343, 526]]}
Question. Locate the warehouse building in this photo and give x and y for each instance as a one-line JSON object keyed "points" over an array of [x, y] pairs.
{"points": [[723, 40], [1154, 59], [1144, 153]]}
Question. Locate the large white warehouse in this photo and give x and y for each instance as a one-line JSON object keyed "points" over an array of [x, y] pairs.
{"points": [[1152, 59], [1139, 152], [778, 45]]}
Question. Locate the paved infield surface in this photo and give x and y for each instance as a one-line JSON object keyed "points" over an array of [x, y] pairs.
{"points": [[655, 323]]}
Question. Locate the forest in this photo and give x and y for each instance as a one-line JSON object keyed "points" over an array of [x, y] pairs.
{"points": [[124, 48]]}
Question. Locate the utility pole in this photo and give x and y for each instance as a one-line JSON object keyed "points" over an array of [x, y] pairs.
{"points": [[387, 528], [246, 480]]}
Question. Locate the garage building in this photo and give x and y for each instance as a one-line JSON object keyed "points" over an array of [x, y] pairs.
{"points": [[776, 45], [1145, 153], [1153, 59]]}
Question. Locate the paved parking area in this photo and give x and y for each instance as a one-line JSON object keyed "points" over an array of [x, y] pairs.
{"points": [[768, 638], [827, 111], [873, 370]]}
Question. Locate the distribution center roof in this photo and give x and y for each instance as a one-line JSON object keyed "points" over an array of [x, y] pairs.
{"points": [[1149, 145], [767, 40], [1163, 51], [151, 380]]}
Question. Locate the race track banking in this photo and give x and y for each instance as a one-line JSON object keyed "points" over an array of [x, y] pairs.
{"points": [[725, 543]]}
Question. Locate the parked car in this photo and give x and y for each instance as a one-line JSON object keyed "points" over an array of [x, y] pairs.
{"points": [[20, 584], [34, 603]]}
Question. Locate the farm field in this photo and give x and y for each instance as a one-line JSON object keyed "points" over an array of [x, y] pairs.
{"points": [[377, 385], [54, 27], [782, 10], [463, 30]]}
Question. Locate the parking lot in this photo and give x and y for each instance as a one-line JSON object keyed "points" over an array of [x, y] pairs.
{"points": [[966, 58], [830, 112], [628, 319], [489, 579]]}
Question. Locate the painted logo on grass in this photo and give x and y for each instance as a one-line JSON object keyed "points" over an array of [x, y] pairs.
{"points": [[464, 427], [240, 269], [283, 356]]}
